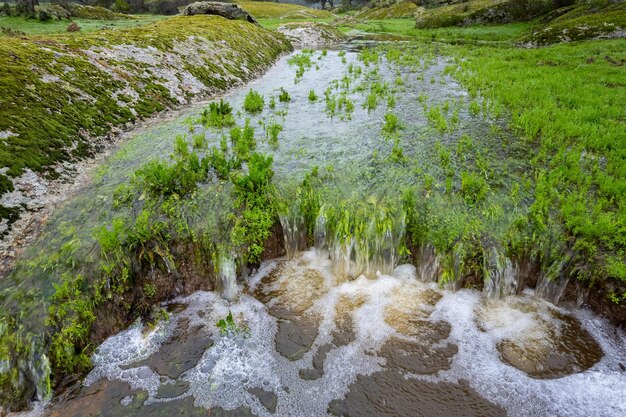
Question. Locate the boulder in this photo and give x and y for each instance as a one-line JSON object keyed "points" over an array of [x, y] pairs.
{"points": [[227, 10], [311, 34], [73, 27]]}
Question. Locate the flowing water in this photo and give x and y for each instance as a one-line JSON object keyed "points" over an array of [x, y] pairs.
{"points": [[308, 343], [347, 327]]}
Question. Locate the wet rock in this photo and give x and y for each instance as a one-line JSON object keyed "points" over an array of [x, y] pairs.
{"points": [[568, 349], [318, 364], [226, 10], [388, 393], [423, 357], [180, 352], [295, 337], [267, 398], [172, 390]]}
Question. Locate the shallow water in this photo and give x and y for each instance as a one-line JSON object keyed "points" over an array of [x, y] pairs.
{"points": [[387, 346], [314, 335]]}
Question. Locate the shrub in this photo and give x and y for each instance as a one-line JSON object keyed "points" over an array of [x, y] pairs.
{"points": [[44, 15], [6, 10], [121, 6]]}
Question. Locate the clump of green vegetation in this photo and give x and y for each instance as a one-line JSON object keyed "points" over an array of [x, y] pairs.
{"points": [[284, 96], [218, 115], [228, 326], [312, 96], [474, 188], [257, 212], [273, 130], [254, 102], [392, 124], [302, 61], [243, 141], [438, 120]]}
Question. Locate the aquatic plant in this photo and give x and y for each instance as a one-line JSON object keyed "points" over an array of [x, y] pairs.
{"points": [[392, 124], [254, 102], [272, 131], [228, 326], [284, 96], [218, 115]]}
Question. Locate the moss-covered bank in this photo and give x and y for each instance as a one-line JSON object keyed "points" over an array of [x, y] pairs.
{"points": [[591, 20], [59, 94]]}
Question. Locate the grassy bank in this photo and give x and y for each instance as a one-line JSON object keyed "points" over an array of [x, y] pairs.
{"points": [[19, 26], [406, 27], [267, 10], [60, 93], [567, 101]]}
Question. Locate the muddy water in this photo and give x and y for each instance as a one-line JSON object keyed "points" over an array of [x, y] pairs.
{"points": [[310, 344]]}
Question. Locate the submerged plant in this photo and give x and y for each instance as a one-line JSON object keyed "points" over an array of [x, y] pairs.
{"points": [[284, 96], [218, 115]]}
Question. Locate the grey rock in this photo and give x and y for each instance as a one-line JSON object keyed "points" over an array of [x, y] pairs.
{"points": [[227, 10]]}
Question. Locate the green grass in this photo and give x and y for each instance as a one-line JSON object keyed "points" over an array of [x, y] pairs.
{"points": [[268, 10], [566, 101], [274, 23], [406, 27], [36, 27]]}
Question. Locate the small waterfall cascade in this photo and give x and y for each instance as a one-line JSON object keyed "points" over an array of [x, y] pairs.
{"points": [[320, 236], [39, 368], [551, 283], [227, 272], [428, 264], [364, 241], [582, 294], [294, 231], [501, 275]]}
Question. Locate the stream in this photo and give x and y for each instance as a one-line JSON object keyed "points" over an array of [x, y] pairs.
{"points": [[348, 327]]}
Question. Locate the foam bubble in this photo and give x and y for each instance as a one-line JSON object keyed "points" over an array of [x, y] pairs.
{"points": [[229, 370]]}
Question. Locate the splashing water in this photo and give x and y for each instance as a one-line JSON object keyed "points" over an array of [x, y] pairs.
{"points": [[317, 344]]}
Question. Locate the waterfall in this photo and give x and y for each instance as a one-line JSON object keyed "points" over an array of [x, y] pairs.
{"points": [[40, 370], [501, 275], [428, 264], [360, 241], [294, 232], [227, 271], [551, 284]]}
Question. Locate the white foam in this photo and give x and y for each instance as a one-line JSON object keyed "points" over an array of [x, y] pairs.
{"points": [[235, 363], [125, 348], [593, 392]]}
